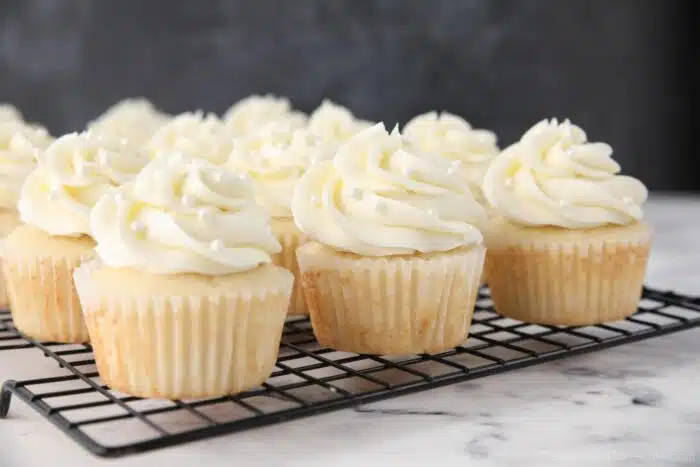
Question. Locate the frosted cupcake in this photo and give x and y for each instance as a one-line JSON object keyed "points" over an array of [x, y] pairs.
{"points": [[571, 247], [332, 125], [395, 260], [253, 112], [134, 119], [275, 157], [20, 145], [55, 202], [182, 301], [195, 134]]}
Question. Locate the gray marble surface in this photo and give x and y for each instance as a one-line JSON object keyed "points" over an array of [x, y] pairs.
{"points": [[634, 405]]}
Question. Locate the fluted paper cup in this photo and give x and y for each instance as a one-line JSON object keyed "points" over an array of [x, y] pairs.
{"points": [[38, 272], [184, 336], [398, 305], [567, 277], [290, 237]]}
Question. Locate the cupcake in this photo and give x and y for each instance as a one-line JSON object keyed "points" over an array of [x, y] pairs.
{"points": [[54, 205], [135, 120], [569, 246], [182, 300], [394, 259], [332, 125], [275, 157], [196, 134], [251, 113], [20, 145]]}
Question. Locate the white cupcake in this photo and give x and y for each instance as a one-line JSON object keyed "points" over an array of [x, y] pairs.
{"points": [[54, 205], [275, 157], [182, 301]]}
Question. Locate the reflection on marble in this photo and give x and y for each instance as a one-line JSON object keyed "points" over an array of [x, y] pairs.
{"points": [[634, 405]]}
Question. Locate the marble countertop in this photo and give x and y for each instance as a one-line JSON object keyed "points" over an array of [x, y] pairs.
{"points": [[634, 405]]}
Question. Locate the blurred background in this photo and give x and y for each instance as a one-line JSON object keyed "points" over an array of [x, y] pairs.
{"points": [[624, 70]]}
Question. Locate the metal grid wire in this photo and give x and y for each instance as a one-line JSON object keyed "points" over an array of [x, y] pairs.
{"points": [[310, 379]]}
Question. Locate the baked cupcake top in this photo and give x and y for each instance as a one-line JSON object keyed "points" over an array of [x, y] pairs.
{"points": [[73, 172], [377, 197], [20, 146], [195, 134], [275, 157], [135, 119], [332, 124], [183, 215], [555, 177], [9, 112], [454, 138], [254, 111]]}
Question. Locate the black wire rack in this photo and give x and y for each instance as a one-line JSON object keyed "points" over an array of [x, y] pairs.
{"points": [[310, 379]]}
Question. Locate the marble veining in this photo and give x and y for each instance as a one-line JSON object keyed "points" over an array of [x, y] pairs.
{"points": [[634, 405]]}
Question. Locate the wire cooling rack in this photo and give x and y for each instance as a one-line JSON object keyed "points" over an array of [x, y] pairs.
{"points": [[310, 379]]}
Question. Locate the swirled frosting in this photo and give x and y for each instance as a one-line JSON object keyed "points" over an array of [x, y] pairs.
{"points": [[183, 215], [249, 114], [454, 138], [20, 146], [133, 119], [9, 112], [376, 197], [554, 177], [193, 134], [332, 124], [73, 173], [275, 157]]}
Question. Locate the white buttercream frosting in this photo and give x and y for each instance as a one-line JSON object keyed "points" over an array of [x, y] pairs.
{"points": [[135, 119], [333, 124], [554, 176], [20, 147], [183, 215], [73, 173], [194, 134], [454, 138], [377, 197], [275, 157], [252, 112]]}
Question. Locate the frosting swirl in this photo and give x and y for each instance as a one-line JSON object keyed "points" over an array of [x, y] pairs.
{"points": [[133, 119], [333, 124], [20, 146], [453, 137], [73, 173], [252, 112], [194, 134], [183, 215], [9, 112], [554, 177], [378, 198], [275, 157]]}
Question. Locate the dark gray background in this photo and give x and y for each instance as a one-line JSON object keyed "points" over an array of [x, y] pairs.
{"points": [[625, 70]]}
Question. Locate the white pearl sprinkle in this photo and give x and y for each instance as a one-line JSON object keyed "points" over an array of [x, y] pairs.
{"points": [[188, 201], [123, 141], [119, 197], [137, 227], [382, 208], [357, 194], [627, 200], [54, 194], [204, 214], [432, 212], [216, 245], [217, 177], [509, 182], [564, 203], [314, 199]]}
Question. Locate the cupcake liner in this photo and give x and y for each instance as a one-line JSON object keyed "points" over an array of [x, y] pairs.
{"points": [[167, 346], [568, 278], [291, 238], [398, 305], [9, 220], [42, 297]]}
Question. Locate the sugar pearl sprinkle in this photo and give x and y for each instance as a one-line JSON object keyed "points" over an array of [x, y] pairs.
{"points": [[216, 245], [357, 194], [627, 200], [509, 182], [564, 203], [382, 208], [119, 197], [454, 167], [204, 214], [432, 212], [188, 201], [137, 227], [314, 199]]}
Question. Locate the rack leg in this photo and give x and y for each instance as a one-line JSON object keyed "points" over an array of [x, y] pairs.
{"points": [[6, 398]]}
